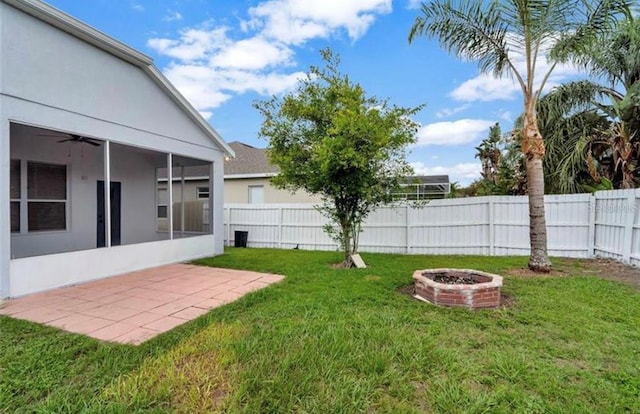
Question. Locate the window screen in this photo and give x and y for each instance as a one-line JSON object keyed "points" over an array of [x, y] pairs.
{"points": [[47, 216], [14, 195], [203, 192], [256, 194], [162, 211], [15, 216], [47, 181], [15, 180]]}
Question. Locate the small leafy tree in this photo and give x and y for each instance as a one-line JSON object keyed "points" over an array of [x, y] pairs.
{"points": [[330, 139]]}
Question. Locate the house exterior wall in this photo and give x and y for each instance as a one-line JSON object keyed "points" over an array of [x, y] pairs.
{"points": [[100, 263], [190, 189], [237, 191], [49, 71], [53, 80]]}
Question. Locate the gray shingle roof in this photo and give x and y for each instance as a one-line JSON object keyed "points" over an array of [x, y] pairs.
{"points": [[248, 160]]}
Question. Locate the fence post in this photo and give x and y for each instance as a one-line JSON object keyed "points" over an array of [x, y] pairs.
{"points": [[280, 227], [492, 233], [628, 227], [407, 223], [228, 226], [591, 249]]}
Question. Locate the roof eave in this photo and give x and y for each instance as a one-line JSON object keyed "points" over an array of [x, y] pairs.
{"points": [[164, 83], [251, 175]]}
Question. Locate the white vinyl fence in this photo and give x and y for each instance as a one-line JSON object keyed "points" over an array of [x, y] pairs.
{"points": [[578, 225]]}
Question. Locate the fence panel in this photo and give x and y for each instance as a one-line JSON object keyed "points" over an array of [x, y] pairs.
{"points": [[568, 223], [456, 226], [606, 224], [612, 216]]}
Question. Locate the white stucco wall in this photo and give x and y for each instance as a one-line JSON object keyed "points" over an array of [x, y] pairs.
{"points": [[53, 80], [237, 191], [87, 265], [51, 67]]}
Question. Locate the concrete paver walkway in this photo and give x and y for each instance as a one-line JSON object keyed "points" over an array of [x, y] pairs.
{"points": [[135, 307]]}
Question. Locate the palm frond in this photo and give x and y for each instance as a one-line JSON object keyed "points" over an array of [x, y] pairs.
{"points": [[595, 20], [569, 98], [471, 30]]}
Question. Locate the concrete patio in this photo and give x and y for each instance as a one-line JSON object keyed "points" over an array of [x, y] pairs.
{"points": [[135, 307]]}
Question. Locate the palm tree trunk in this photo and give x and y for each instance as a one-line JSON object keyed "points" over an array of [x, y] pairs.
{"points": [[533, 148]]}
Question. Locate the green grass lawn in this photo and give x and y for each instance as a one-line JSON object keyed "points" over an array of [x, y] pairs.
{"points": [[332, 340]]}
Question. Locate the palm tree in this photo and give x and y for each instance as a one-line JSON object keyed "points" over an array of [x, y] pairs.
{"points": [[593, 129], [490, 154], [509, 37], [454, 189]]}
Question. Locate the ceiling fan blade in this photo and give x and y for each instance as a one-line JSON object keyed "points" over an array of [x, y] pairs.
{"points": [[91, 142], [65, 140]]}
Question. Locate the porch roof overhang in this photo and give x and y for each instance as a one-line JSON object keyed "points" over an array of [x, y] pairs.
{"points": [[94, 37]]}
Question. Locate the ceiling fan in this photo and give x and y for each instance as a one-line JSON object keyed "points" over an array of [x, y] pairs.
{"points": [[75, 138]]}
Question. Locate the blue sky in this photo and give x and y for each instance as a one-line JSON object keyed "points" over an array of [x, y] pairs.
{"points": [[224, 55]]}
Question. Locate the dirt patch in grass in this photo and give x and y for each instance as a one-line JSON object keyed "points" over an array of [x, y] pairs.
{"points": [[409, 290], [610, 270], [603, 268], [524, 272]]}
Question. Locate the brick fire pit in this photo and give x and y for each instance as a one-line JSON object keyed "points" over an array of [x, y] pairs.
{"points": [[470, 289]]}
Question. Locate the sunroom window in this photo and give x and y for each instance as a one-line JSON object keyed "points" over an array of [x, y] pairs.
{"points": [[46, 196], [15, 195]]}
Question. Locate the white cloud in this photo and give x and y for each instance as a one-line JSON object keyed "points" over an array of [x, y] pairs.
{"points": [[193, 44], [297, 21], [254, 53], [137, 6], [207, 88], [210, 66], [458, 132], [464, 173], [172, 16], [414, 4], [446, 112], [505, 115], [486, 87]]}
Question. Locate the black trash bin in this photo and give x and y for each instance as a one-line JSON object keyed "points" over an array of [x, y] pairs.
{"points": [[241, 238]]}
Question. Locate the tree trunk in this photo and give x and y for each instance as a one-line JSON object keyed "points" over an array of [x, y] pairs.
{"points": [[346, 241], [533, 149]]}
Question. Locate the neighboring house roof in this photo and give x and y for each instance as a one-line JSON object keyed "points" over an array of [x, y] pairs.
{"points": [[422, 185], [250, 162], [428, 179], [82, 31]]}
